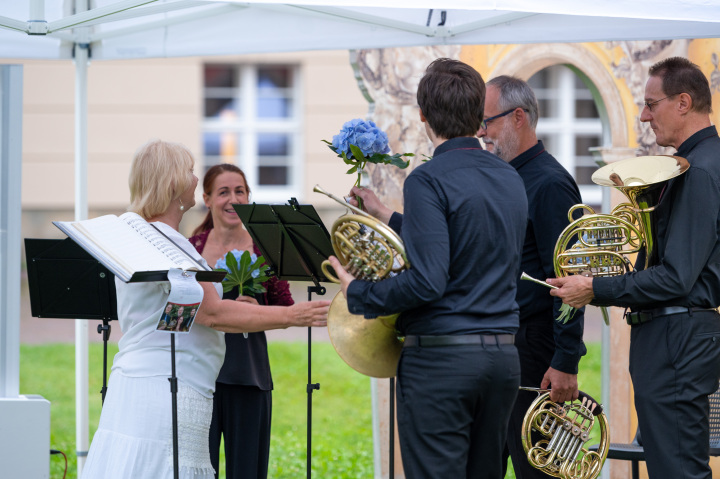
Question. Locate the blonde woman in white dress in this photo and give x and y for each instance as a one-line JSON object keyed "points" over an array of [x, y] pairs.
{"points": [[134, 437]]}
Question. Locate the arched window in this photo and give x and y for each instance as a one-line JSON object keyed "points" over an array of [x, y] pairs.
{"points": [[569, 124]]}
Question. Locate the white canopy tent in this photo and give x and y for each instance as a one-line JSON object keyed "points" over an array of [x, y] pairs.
{"points": [[129, 29], [169, 28]]}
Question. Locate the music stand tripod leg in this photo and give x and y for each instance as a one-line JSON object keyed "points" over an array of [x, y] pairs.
{"points": [[320, 290], [104, 329], [173, 392]]}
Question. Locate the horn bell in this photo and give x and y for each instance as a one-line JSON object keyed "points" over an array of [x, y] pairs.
{"points": [[369, 346]]}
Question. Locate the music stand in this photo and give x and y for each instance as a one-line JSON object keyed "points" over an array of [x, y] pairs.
{"points": [[294, 242], [66, 282]]}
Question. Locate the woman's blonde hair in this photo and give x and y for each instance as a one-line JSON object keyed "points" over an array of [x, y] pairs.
{"points": [[160, 172]]}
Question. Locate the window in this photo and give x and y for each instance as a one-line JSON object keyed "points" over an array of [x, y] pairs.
{"points": [[251, 119], [569, 125]]}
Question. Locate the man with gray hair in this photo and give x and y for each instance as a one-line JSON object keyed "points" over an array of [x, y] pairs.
{"points": [[549, 351]]}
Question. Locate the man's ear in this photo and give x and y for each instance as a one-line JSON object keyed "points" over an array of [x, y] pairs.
{"points": [[422, 117], [519, 117], [684, 103]]}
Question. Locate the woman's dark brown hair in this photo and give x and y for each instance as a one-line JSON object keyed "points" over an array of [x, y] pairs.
{"points": [[208, 183]]}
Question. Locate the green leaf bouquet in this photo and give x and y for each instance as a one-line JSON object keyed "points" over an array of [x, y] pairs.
{"points": [[245, 270]]}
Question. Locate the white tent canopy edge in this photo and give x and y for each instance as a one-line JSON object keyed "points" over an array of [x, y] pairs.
{"points": [[162, 28]]}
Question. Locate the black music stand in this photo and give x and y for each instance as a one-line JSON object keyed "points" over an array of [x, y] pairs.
{"points": [[294, 242], [65, 281]]}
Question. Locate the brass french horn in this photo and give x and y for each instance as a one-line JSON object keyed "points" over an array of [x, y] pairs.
{"points": [[561, 432], [371, 251], [599, 244]]}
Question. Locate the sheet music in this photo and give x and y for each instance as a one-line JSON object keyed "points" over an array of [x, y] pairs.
{"points": [[128, 244]]}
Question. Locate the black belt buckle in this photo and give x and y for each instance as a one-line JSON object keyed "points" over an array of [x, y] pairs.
{"points": [[637, 318]]}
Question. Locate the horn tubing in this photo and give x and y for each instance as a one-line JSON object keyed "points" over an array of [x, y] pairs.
{"points": [[355, 209]]}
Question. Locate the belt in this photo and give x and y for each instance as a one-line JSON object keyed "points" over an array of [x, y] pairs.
{"points": [[459, 339], [645, 316]]}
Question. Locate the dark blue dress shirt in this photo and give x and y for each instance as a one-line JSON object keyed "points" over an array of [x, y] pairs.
{"points": [[688, 239], [463, 231], [551, 192]]}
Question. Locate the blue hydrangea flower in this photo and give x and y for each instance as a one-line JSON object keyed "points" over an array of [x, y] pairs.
{"points": [[363, 134]]}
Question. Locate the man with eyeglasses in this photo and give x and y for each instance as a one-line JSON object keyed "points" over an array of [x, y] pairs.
{"points": [[549, 350], [675, 326]]}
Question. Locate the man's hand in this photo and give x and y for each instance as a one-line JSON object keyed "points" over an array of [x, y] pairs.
{"points": [[575, 290], [344, 277], [564, 385], [371, 203]]}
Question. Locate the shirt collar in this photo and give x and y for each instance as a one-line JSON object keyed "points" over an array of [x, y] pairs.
{"points": [[461, 142], [695, 139], [527, 155]]}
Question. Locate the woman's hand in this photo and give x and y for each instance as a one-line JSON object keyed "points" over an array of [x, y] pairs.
{"points": [[247, 299], [313, 313]]}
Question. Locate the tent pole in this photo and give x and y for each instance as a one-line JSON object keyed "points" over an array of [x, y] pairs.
{"points": [[11, 80], [81, 213]]}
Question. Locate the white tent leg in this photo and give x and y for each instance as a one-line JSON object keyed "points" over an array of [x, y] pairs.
{"points": [[81, 213], [10, 214]]}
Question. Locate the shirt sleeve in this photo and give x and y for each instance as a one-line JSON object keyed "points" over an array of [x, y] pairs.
{"points": [[396, 222], [426, 241], [551, 206], [690, 239]]}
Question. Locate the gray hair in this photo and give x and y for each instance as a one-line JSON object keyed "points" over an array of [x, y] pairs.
{"points": [[515, 93]]}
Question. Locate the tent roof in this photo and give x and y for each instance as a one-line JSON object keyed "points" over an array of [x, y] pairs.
{"points": [[120, 29]]}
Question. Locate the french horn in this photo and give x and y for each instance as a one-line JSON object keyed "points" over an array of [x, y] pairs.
{"points": [[599, 244], [560, 432], [370, 251]]}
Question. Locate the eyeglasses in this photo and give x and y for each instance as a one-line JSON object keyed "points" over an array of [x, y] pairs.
{"points": [[650, 104], [484, 123]]}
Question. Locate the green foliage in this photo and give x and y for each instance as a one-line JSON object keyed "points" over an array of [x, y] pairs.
{"points": [[342, 443], [567, 313], [248, 274], [358, 159]]}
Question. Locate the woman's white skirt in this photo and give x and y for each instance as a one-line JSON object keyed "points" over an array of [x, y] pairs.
{"points": [[134, 438]]}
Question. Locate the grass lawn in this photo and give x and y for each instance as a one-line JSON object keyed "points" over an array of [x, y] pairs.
{"points": [[342, 445]]}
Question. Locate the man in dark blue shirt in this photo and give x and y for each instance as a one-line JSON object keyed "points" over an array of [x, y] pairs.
{"points": [[463, 231], [549, 350], [675, 335]]}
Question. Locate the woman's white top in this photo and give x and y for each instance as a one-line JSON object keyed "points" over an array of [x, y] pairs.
{"points": [[145, 352]]}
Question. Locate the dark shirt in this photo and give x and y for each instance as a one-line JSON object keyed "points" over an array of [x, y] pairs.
{"points": [[463, 229], [551, 192], [246, 359], [688, 243]]}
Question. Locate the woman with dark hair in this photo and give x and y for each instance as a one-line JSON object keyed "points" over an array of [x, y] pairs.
{"points": [[134, 437], [242, 404]]}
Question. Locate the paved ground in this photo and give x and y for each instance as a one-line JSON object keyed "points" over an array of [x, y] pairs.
{"points": [[46, 330]]}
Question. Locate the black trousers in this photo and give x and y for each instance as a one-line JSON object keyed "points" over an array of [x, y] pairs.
{"points": [[453, 404], [536, 347], [675, 366], [242, 416]]}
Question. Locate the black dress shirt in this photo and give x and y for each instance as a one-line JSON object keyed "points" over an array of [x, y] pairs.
{"points": [[551, 192], [463, 230], [688, 243]]}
